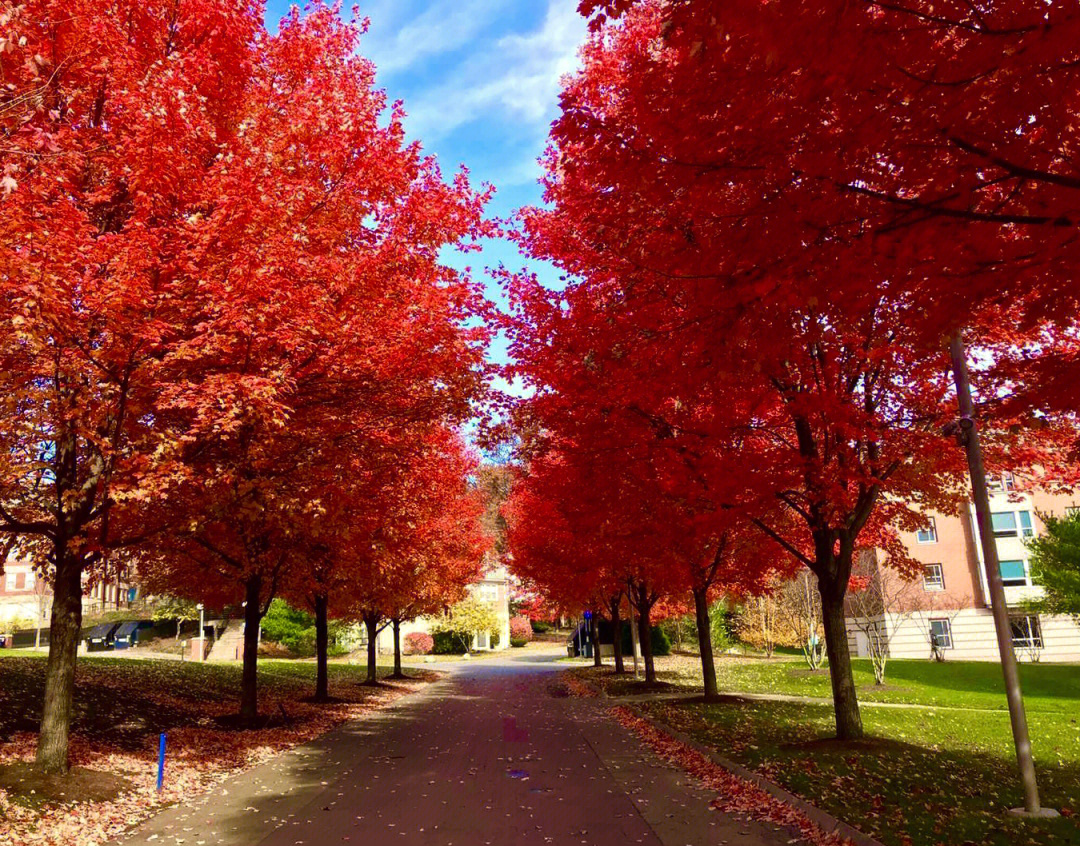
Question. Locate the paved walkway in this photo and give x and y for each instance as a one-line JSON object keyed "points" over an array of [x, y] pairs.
{"points": [[493, 754]]}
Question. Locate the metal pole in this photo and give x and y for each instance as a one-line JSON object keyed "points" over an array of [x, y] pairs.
{"points": [[969, 436], [202, 633], [161, 762]]}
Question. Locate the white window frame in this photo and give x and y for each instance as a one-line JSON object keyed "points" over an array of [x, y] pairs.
{"points": [[1027, 531], [9, 581], [1034, 639], [930, 530], [934, 584], [1000, 534], [947, 632], [1027, 572]]}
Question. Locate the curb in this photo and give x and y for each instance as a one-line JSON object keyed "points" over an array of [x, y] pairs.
{"points": [[823, 820]]}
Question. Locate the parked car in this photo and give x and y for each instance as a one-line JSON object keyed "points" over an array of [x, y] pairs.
{"points": [[100, 638]]}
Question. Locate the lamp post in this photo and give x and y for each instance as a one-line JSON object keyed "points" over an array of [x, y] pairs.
{"points": [[966, 431], [202, 633]]}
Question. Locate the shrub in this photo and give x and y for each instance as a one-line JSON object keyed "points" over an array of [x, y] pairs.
{"points": [[450, 643], [295, 629], [722, 623], [418, 643], [521, 631], [540, 626], [464, 620], [289, 626], [660, 643]]}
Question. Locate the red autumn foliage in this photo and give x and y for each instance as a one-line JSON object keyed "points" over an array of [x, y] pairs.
{"points": [[223, 265], [733, 350], [419, 643], [520, 630]]}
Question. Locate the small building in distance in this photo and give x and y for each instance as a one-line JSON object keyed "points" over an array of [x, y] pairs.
{"points": [[492, 588], [24, 597], [948, 608]]}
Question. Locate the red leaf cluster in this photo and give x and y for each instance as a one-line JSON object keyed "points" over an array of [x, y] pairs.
{"points": [[236, 359]]}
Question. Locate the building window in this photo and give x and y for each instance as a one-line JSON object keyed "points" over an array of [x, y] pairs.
{"points": [[941, 634], [1026, 527], [1004, 524], [9, 581], [927, 534], [933, 577], [1009, 481], [1013, 573], [1026, 632]]}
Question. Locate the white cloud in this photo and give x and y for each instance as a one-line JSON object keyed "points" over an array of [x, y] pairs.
{"points": [[399, 37], [513, 80]]}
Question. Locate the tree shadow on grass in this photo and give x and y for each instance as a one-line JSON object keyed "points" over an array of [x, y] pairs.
{"points": [[122, 716]]}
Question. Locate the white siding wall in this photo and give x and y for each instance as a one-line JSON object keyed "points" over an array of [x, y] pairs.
{"points": [[973, 637]]}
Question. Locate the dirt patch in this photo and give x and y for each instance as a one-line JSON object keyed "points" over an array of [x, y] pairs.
{"points": [[632, 688], [866, 744], [28, 786]]}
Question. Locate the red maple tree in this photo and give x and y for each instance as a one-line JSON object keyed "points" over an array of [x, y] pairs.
{"points": [[112, 119], [720, 299]]}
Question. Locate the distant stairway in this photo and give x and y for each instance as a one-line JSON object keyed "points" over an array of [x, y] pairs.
{"points": [[230, 643]]}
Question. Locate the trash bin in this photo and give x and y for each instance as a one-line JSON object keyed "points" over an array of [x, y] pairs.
{"points": [[100, 638], [127, 635]]}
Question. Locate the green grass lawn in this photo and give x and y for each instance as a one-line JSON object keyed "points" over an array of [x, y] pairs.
{"points": [[940, 774], [956, 684]]}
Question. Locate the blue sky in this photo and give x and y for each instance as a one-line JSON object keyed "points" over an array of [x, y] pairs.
{"points": [[480, 82]]}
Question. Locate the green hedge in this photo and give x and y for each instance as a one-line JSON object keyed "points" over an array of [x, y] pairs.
{"points": [[450, 643], [660, 643]]}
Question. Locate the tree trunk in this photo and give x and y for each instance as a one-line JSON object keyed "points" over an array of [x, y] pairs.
{"points": [[616, 636], [645, 636], [64, 631], [594, 636], [322, 647], [249, 684], [398, 674], [845, 702], [372, 624], [705, 646]]}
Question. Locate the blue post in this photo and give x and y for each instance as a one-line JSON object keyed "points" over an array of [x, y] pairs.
{"points": [[161, 762]]}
